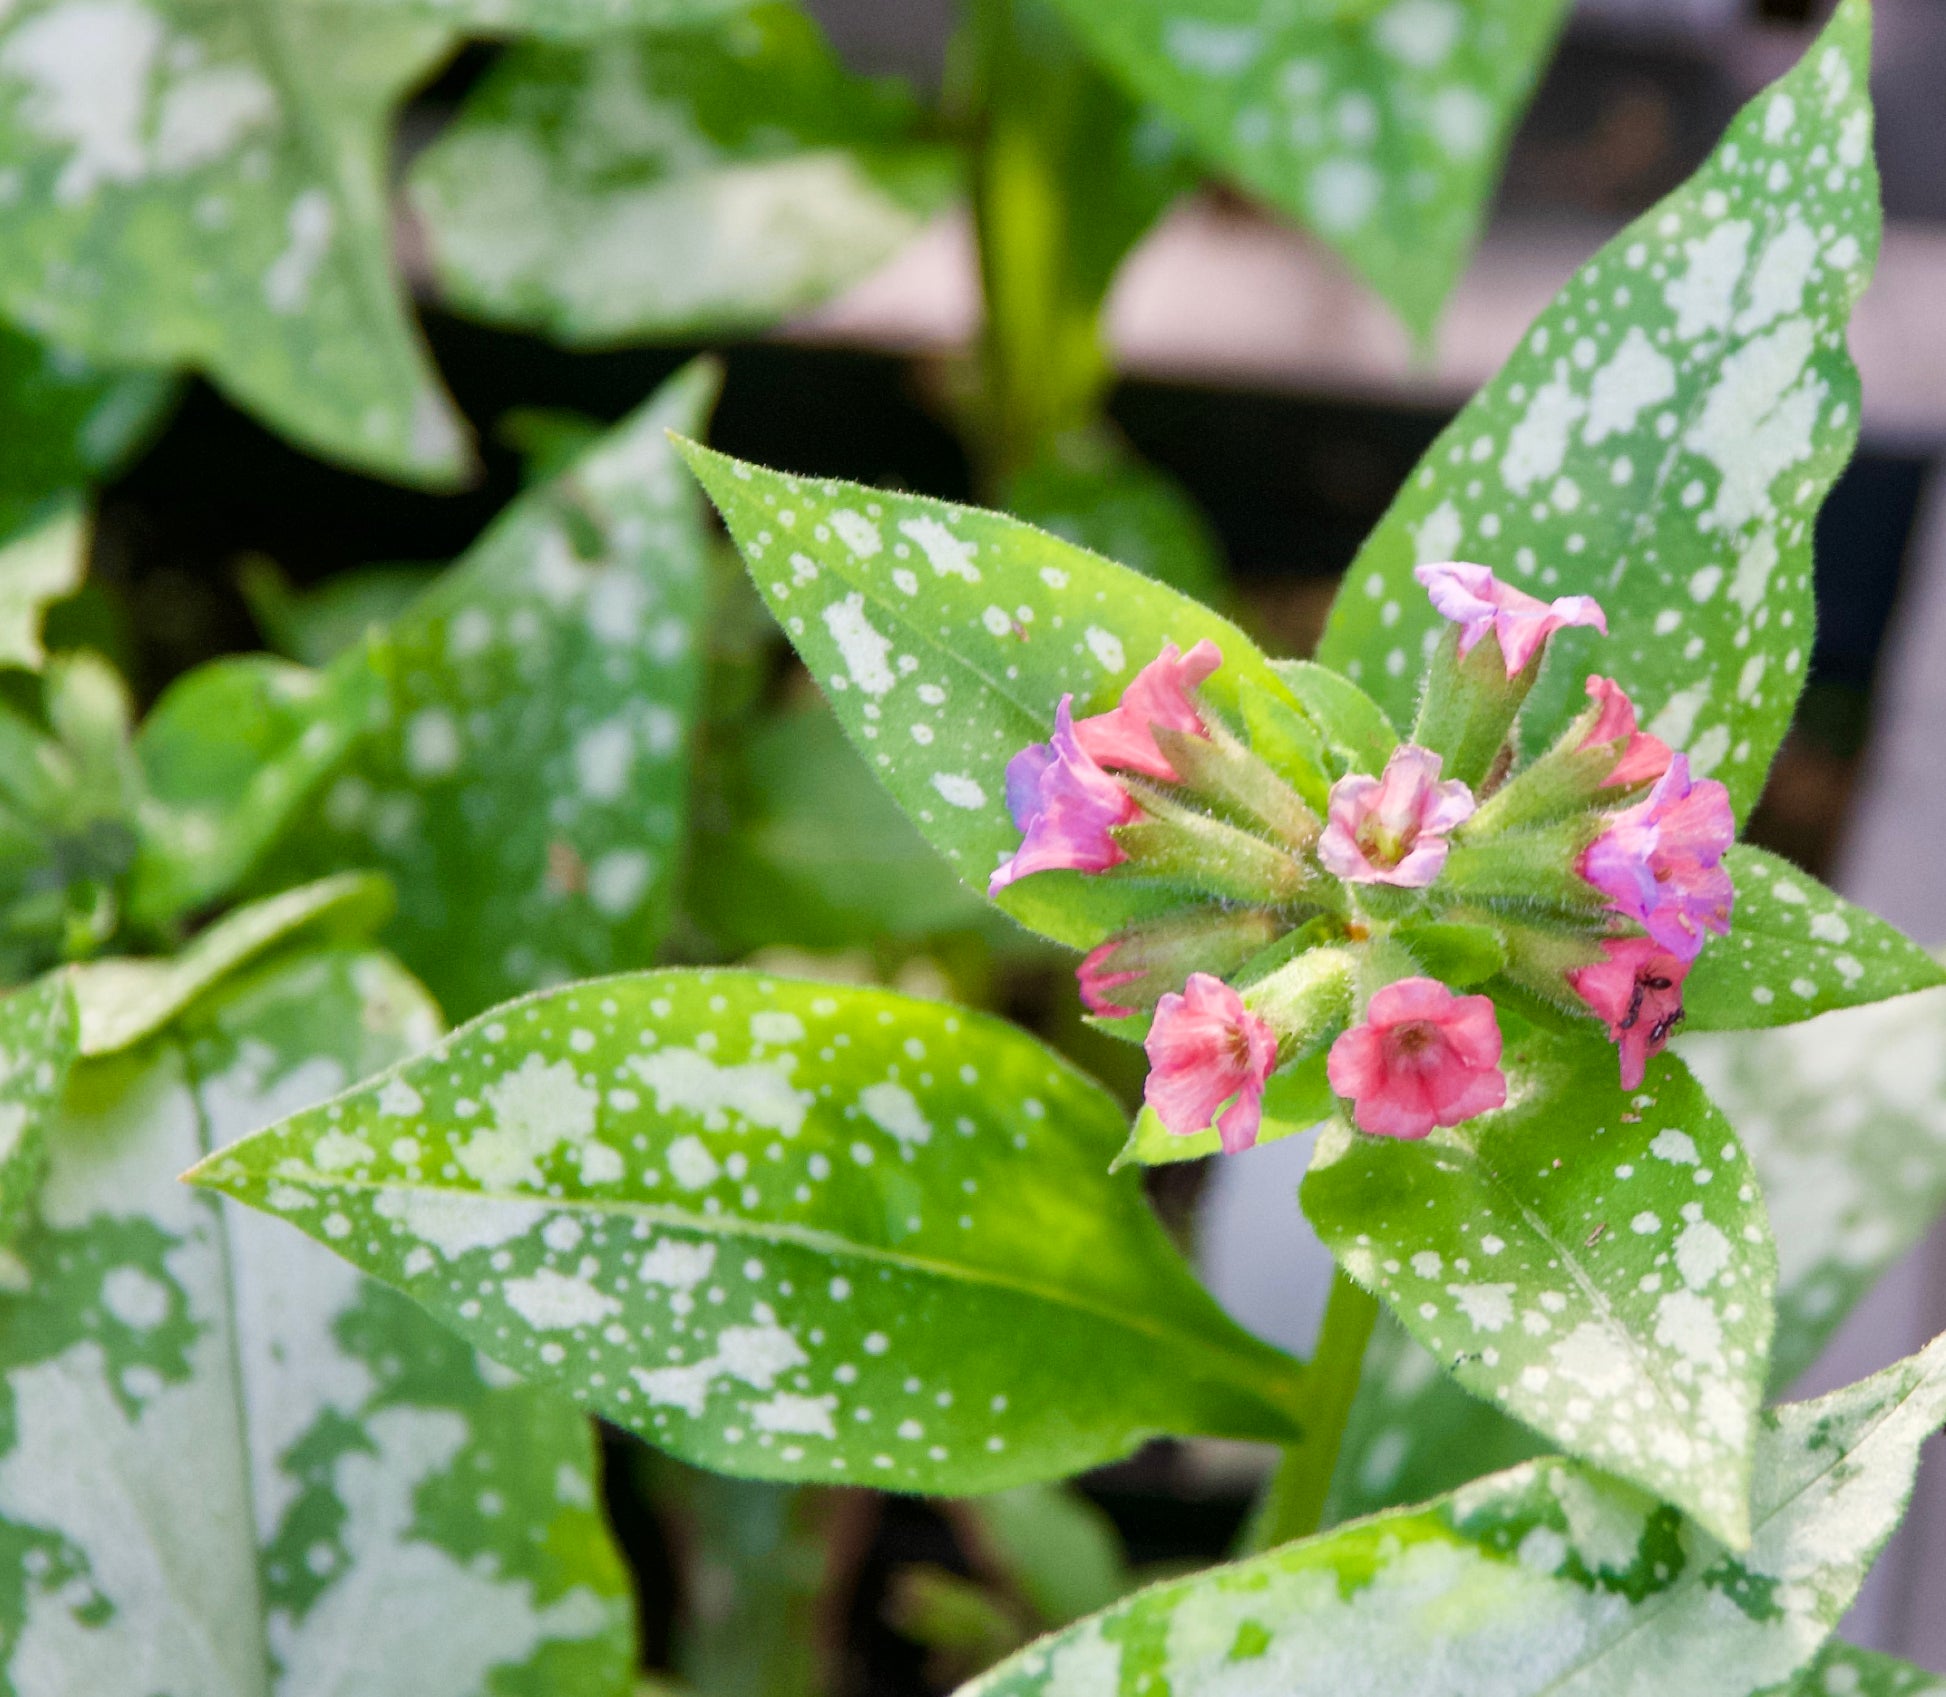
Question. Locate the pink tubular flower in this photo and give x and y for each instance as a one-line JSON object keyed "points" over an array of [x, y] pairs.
{"points": [[1206, 1047], [1423, 1057], [1065, 805], [1478, 602], [1643, 757], [1158, 696], [1637, 993], [1392, 830], [1659, 861]]}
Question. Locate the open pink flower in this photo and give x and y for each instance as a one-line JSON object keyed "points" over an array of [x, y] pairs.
{"points": [[1205, 1047], [1423, 1057], [1659, 861], [1065, 805], [1478, 602], [1637, 993], [1643, 757], [1392, 830], [1158, 695]]}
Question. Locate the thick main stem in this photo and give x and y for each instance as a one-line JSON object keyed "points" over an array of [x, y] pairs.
{"points": [[1292, 1505]]}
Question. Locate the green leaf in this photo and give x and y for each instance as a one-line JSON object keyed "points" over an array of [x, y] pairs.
{"points": [[1549, 1580], [682, 183], [945, 637], [1844, 1120], [1594, 1261], [68, 424], [313, 626], [1662, 439], [1057, 1548], [1356, 732], [1127, 510], [527, 792], [230, 1464], [231, 753], [1797, 949], [40, 564], [123, 1001], [561, 20], [802, 848], [37, 1046], [785, 1230], [218, 201], [1842, 1670], [1380, 126]]}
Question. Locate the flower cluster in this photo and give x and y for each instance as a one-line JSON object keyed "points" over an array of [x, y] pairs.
{"points": [[1350, 926]]}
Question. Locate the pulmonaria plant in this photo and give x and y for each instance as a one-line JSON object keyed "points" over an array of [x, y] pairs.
{"points": [[1592, 875]]}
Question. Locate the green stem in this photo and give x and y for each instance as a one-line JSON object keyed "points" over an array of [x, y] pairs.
{"points": [[1292, 1505]]}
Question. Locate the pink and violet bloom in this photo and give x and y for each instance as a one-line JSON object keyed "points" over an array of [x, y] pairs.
{"points": [[1643, 758], [1065, 805], [1100, 979], [1205, 1048], [1659, 862], [1157, 697], [1478, 602], [1423, 1057], [1637, 993], [1392, 830]]}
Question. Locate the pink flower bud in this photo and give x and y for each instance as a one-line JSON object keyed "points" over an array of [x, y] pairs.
{"points": [[1158, 696], [1423, 1057], [1205, 1048], [1065, 805], [1658, 862], [1478, 602], [1643, 757], [1637, 993], [1392, 830]]}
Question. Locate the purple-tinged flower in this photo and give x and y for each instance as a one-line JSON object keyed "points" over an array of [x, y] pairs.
{"points": [[1637, 993], [1066, 806], [1101, 974], [1205, 1048], [1478, 602], [1659, 862], [1422, 1057], [1392, 830], [1157, 697], [1642, 758]]}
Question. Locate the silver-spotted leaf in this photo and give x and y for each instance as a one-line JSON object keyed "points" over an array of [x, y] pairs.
{"points": [[1548, 1580], [781, 1229], [230, 754], [1662, 438], [1381, 126], [685, 182], [1844, 1120], [1844, 1670], [1595, 1261], [211, 193], [945, 638], [37, 1046], [1797, 949], [528, 788], [228, 1464], [120, 1001]]}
